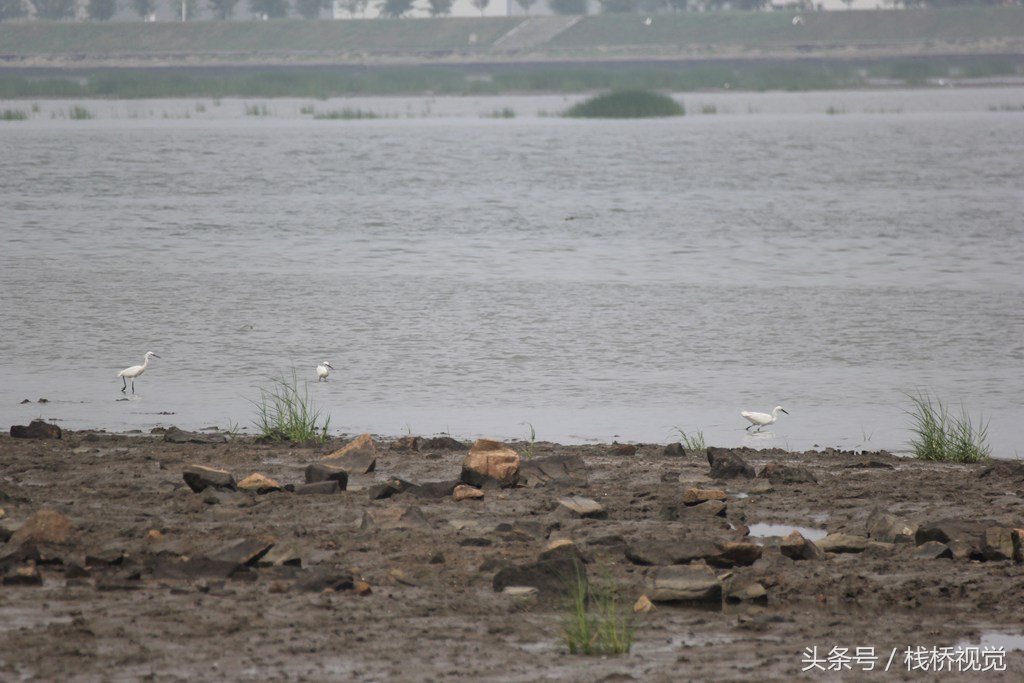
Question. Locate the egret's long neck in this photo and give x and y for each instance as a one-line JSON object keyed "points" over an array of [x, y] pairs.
{"points": [[145, 362]]}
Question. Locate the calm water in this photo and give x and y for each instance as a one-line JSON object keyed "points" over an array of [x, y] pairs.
{"points": [[474, 275]]}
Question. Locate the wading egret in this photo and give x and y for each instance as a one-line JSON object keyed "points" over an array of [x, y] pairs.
{"points": [[322, 371], [134, 371], [763, 419]]}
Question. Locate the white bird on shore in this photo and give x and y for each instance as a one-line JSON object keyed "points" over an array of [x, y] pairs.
{"points": [[322, 371], [763, 419], [134, 371]]}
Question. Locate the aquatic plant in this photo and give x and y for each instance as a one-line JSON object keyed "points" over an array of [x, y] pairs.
{"points": [[503, 113], [284, 413], [941, 436], [13, 115], [79, 113], [346, 114], [626, 104], [692, 442], [594, 623], [530, 449]]}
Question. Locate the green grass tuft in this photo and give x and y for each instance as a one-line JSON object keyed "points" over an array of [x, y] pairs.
{"points": [[284, 413], [692, 442], [13, 115], [595, 624], [941, 436], [626, 104]]}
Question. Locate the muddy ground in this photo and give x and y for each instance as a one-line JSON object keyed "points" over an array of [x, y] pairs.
{"points": [[402, 588]]}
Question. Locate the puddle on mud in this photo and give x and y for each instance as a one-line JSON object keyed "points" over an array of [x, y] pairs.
{"points": [[996, 639], [763, 530]]}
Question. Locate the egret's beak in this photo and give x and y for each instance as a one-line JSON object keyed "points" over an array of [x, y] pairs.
{"points": [[785, 411]]}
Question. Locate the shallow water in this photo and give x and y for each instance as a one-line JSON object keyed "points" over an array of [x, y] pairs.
{"points": [[598, 280]]}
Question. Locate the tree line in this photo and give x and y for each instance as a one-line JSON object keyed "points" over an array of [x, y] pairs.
{"points": [[103, 10]]}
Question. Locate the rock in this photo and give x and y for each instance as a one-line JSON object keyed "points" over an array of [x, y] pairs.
{"points": [[744, 590], [843, 543], [796, 547], [24, 575], [948, 530], [437, 489], [932, 550], [682, 551], [674, 450], [554, 470], [643, 605], [726, 464], [778, 473], [583, 507], [1018, 545], [37, 429], [399, 517], [685, 583], [318, 488], [555, 577], [695, 496], [622, 449], [673, 512], [358, 457], [389, 488], [320, 471], [260, 483], [200, 477], [490, 461], [280, 556], [1012, 470], [887, 528], [871, 463], [175, 435], [736, 554], [464, 492], [998, 544], [442, 443], [44, 527], [191, 568]]}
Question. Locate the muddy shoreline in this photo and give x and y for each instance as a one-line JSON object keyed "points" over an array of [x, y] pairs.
{"points": [[130, 574]]}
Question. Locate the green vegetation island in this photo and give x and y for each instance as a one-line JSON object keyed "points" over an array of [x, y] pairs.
{"points": [[680, 52]]}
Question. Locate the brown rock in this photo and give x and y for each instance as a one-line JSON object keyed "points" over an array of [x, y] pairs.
{"points": [[843, 543], [200, 478], [583, 507], [796, 547], [464, 492], [490, 461], [358, 456], [260, 483], [643, 605], [406, 443], [623, 449], [733, 554], [37, 429], [998, 544], [685, 583], [726, 464], [695, 496], [45, 526]]}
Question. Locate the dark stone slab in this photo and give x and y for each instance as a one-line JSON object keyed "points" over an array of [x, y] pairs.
{"points": [[325, 581], [37, 429], [175, 435], [555, 470], [319, 471], [778, 473], [726, 464], [443, 443], [556, 577], [199, 478], [319, 487]]}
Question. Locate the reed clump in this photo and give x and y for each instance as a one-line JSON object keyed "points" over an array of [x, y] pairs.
{"points": [[594, 623], [286, 413], [939, 435]]}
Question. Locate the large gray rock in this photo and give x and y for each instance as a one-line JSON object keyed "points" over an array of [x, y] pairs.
{"points": [[726, 464], [322, 471], [357, 457], [685, 583], [175, 435], [555, 470], [843, 543]]}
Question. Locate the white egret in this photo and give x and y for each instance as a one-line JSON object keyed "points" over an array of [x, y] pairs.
{"points": [[763, 419], [134, 371], [322, 371]]}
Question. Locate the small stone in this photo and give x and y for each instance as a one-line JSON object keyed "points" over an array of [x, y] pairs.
{"points": [[260, 483], [25, 575], [745, 591], [554, 470], [737, 554], [887, 528], [321, 471], [694, 496], [674, 450], [200, 477], [583, 507], [643, 604], [399, 517], [490, 460], [796, 547], [464, 492], [932, 550], [520, 591], [363, 587], [358, 457]]}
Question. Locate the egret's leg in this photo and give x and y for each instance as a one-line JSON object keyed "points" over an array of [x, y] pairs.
{"points": [[133, 385], [749, 426], [125, 387]]}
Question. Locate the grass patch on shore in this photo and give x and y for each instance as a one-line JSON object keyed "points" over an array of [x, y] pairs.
{"points": [[13, 115], [626, 104], [692, 442], [286, 413], [938, 435], [594, 623]]}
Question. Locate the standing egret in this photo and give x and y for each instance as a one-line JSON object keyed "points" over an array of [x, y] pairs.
{"points": [[763, 419], [322, 371], [134, 371]]}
